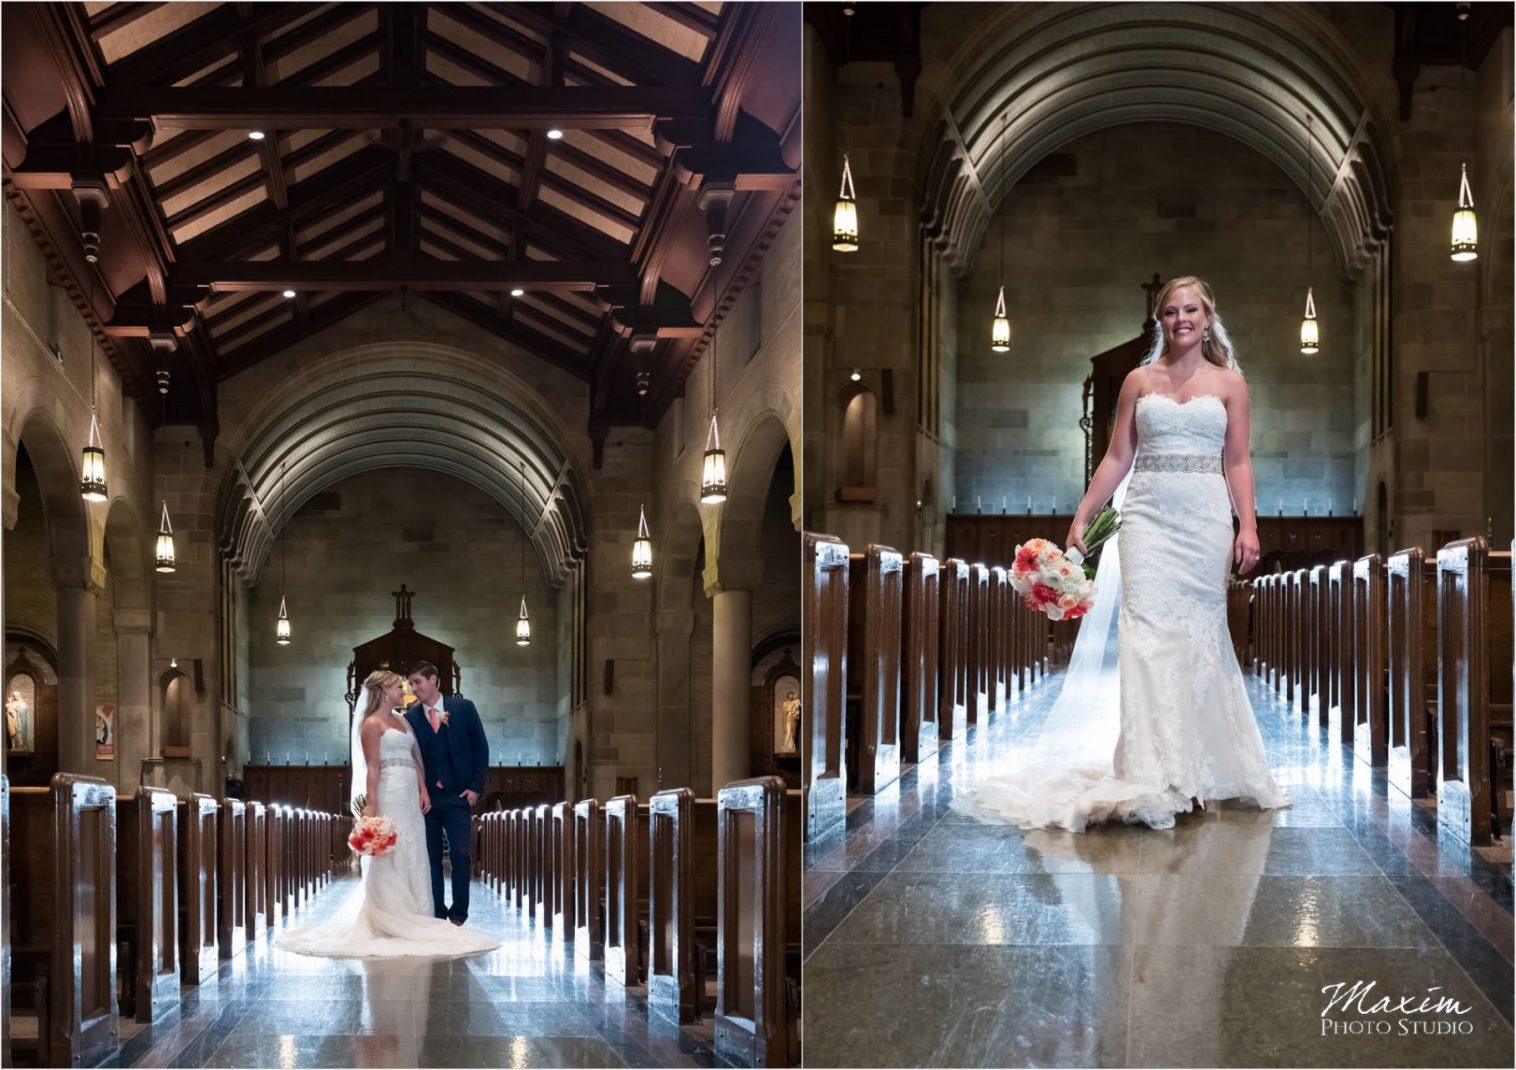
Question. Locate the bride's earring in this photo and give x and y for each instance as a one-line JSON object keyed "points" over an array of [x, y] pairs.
{"points": [[1205, 336]]}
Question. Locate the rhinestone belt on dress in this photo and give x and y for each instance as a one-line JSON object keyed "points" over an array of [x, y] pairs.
{"points": [[397, 763], [1178, 462]]}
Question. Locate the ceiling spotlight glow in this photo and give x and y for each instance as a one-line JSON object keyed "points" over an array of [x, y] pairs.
{"points": [[517, 291], [255, 135], [554, 134], [289, 293]]}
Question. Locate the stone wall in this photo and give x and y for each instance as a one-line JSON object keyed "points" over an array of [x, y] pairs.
{"points": [[1077, 246], [348, 549]]}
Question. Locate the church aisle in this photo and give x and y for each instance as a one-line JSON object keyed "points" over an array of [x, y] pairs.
{"points": [[531, 1003], [932, 939]]}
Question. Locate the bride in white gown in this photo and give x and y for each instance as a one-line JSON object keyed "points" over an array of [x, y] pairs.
{"points": [[394, 915], [1169, 725]]}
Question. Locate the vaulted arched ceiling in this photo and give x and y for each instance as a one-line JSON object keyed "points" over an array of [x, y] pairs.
{"points": [[1036, 77], [414, 406]]}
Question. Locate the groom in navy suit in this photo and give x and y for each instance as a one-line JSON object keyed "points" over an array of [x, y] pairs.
{"points": [[454, 757]]}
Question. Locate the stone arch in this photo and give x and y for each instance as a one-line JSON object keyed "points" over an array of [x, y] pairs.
{"points": [[57, 474], [415, 405], [1250, 73], [126, 541], [859, 442], [738, 555]]}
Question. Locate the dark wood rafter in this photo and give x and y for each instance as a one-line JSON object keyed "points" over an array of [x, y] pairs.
{"points": [[399, 181]]}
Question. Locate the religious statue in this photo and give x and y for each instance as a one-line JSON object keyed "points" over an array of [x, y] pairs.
{"points": [[15, 713], [790, 706], [20, 705]]}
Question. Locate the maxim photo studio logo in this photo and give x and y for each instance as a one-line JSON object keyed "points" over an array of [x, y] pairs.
{"points": [[1357, 1010]]}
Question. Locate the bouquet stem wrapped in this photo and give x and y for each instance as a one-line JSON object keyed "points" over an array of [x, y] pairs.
{"points": [[1106, 524]]}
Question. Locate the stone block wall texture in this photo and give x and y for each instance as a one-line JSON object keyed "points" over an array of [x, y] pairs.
{"points": [[460, 552], [1452, 321], [1142, 198]]}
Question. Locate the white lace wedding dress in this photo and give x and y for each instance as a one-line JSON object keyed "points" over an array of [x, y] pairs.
{"points": [[1186, 725], [394, 915]]}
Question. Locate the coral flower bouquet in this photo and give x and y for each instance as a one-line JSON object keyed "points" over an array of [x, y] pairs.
{"points": [[371, 836], [1058, 583]]}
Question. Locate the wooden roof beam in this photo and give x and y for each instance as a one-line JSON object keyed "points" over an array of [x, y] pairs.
{"points": [[413, 273], [283, 107]]}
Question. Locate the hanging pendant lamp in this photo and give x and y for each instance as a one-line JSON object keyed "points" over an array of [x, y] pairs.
{"points": [[1465, 226], [713, 471], [92, 462], [165, 550], [282, 627], [1310, 329], [642, 548], [1000, 328], [523, 622], [845, 214]]}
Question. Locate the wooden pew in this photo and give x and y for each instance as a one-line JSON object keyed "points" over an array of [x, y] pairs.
{"points": [[1263, 626], [589, 883], [626, 890], [564, 892], [260, 910], [147, 899], [1370, 643], [275, 862], [1320, 602], [953, 649], [1000, 622], [920, 663], [515, 821], [231, 879], [759, 862], [682, 900], [199, 956], [1340, 616], [824, 641], [1411, 628], [979, 644], [1473, 688], [873, 669], [1237, 605], [542, 888], [5, 921], [62, 877]]}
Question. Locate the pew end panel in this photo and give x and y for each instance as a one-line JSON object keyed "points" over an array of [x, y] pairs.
{"points": [[825, 642]]}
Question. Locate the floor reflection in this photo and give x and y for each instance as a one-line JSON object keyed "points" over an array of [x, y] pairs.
{"points": [[933, 938]]}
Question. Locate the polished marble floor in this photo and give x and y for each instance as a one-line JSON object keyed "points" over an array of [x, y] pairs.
{"points": [[935, 939], [532, 1003]]}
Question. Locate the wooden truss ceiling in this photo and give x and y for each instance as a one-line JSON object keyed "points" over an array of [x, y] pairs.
{"points": [[407, 148]]}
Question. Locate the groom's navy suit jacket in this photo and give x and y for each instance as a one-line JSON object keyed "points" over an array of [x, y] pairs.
{"points": [[460, 744]]}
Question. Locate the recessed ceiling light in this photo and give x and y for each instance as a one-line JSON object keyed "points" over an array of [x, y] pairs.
{"points": [[554, 134], [256, 135], [857, 375], [289, 293], [517, 292]]}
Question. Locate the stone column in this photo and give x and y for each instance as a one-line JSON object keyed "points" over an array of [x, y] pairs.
{"points": [[134, 691], [675, 626], [77, 588], [731, 686]]}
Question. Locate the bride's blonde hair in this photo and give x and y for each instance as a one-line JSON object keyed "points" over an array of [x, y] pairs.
{"points": [[373, 688], [1218, 348]]}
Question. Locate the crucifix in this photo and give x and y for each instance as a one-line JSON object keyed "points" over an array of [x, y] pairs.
{"points": [[1152, 289], [403, 605]]}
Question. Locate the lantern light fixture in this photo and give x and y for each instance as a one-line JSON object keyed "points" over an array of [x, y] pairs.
{"points": [[1465, 225], [845, 213], [642, 548], [165, 556]]}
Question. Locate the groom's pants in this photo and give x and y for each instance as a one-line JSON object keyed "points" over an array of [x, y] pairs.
{"points": [[453, 817]]}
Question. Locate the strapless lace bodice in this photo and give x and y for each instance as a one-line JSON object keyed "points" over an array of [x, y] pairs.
{"points": [[396, 750], [1166, 426]]}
